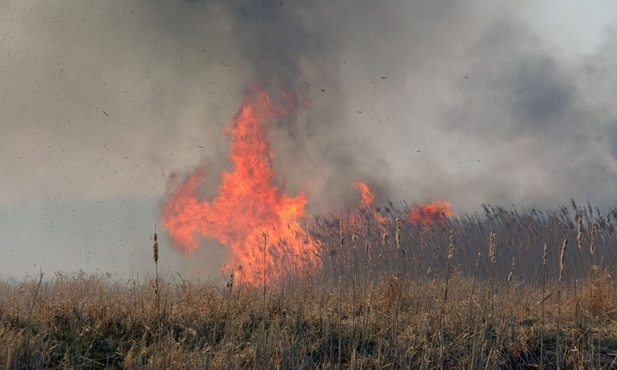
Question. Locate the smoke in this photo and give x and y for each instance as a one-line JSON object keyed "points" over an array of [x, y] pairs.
{"points": [[421, 100], [543, 119]]}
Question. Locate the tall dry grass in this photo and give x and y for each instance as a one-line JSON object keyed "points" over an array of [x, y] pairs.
{"points": [[429, 300], [94, 321]]}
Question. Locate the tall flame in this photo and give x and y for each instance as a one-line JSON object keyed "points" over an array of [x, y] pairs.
{"points": [[365, 193], [260, 225], [249, 215]]}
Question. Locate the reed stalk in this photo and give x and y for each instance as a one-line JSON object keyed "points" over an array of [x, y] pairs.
{"points": [[155, 250], [558, 335]]}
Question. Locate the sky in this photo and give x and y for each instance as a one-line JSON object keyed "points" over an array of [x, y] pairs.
{"points": [[472, 101]]}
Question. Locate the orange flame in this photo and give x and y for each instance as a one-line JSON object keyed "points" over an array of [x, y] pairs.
{"points": [[260, 225], [365, 192], [366, 203], [428, 214], [431, 214]]}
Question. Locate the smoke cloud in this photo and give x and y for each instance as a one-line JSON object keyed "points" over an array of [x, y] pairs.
{"points": [[421, 100]]}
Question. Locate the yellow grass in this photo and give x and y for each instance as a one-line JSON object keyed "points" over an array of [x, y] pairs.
{"points": [[95, 321]]}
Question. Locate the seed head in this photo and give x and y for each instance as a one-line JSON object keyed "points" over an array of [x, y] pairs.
{"points": [[155, 249], [579, 237], [562, 257], [341, 235], [492, 243], [592, 246], [398, 233], [544, 255], [511, 270]]}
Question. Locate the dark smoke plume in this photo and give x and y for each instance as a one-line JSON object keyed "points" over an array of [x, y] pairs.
{"points": [[509, 118], [421, 100]]}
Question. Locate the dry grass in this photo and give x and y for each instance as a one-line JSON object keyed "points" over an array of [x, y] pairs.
{"points": [[92, 321], [448, 296]]}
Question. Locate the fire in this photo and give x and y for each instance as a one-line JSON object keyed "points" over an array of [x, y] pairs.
{"points": [[430, 214], [249, 215], [425, 215], [259, 224], [367, 208], [365, 192]]}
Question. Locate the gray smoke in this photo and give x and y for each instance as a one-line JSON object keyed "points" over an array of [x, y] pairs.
{"points": [[429, 100], [352, 60], [421, 100]]}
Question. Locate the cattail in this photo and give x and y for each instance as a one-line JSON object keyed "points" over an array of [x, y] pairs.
{"points": [[542, 301], [398, 233], [230, 284], [451, 245], [155, 249], [592, 246], [579, 237], [492, 243], [544, 255], [342, 237], [445, 298], [562, 257], [264, 272], [510, 275], [557, 340]]}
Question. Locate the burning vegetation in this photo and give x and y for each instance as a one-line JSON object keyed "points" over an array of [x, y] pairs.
{"points": [[392, 295], [396, 286], [249, 215], [266, 231], [373, 286]]}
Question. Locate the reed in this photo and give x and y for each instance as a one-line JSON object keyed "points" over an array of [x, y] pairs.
{"points": [[542, 302], [476, 312], [155, 252], [310, 325], [558, 334]]}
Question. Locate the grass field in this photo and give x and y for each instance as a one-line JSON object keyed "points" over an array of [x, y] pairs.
{"points": [[503, 289]]}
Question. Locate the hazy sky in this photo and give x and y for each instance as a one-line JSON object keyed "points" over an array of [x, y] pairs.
{"points": [[471, 101]]}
